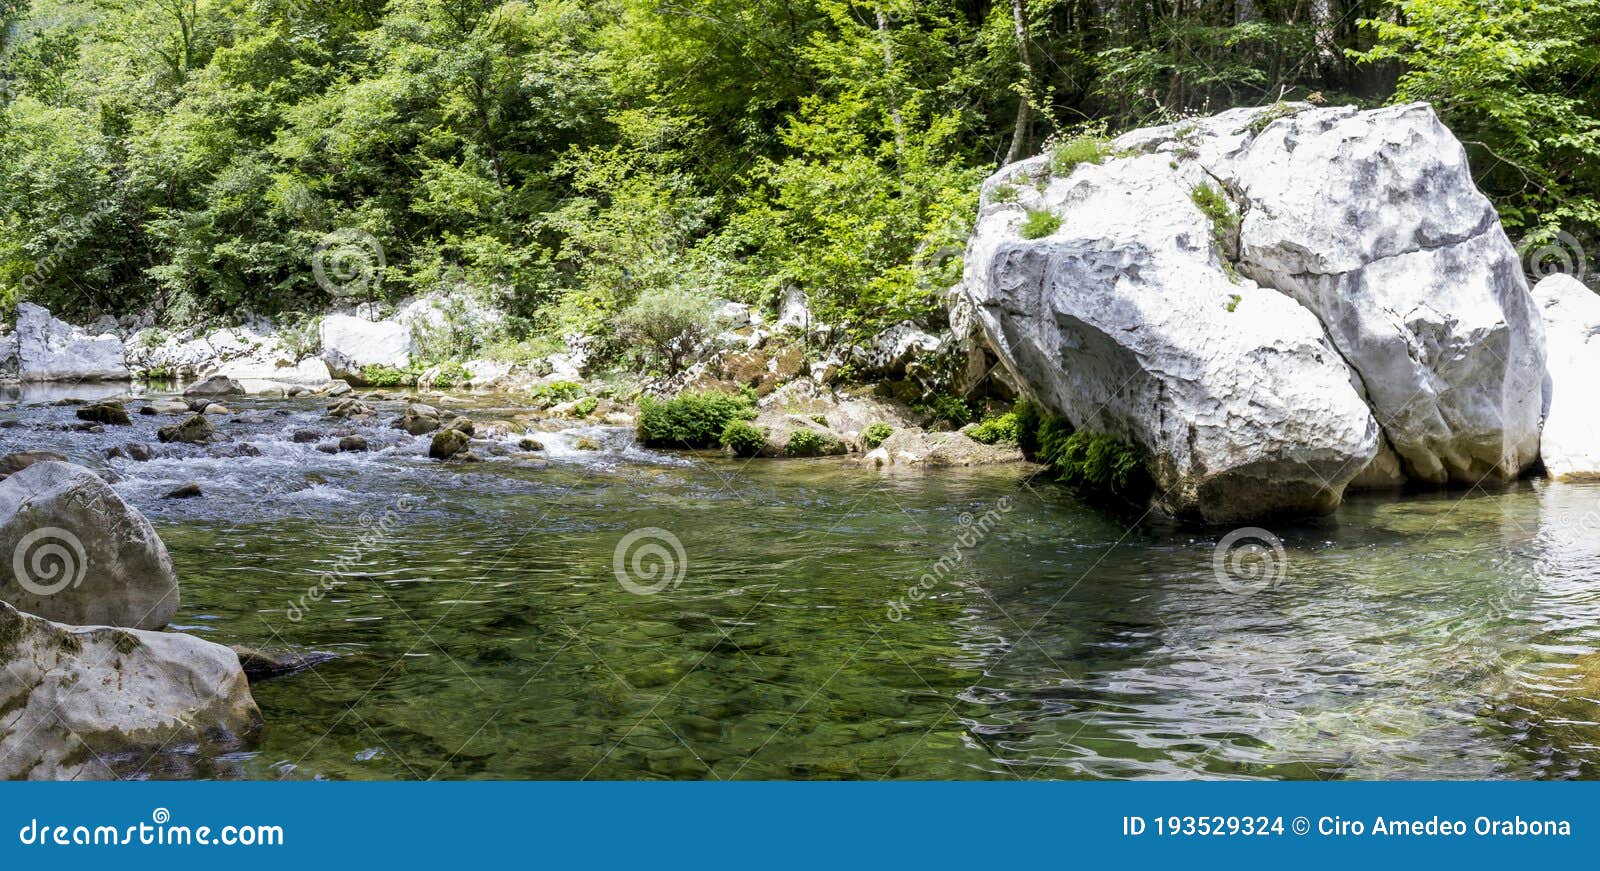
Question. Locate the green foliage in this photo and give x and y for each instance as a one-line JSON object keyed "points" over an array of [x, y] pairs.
{"points": [[1218, 209], [691, 420], [1067, 155], [1005, 193], [1039, 224], [1029, 420], [664, 329], [597, 165], [806, 443], [946, 408], [742, 439], [451, 374], [1514, 81], [374, 375], [300, 335], [1099, 463], [557, 392], [1002, 428], [876, 434], [1233, 302], [1263, 119], [585, 406]]}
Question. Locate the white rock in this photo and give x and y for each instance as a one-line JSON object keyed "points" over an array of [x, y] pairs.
{"points": [[279, 369], [1570, 442], [350, 343], [99, 703], [1366, 224], [794, 312], [1372, 220], [894, 349], [76, 553], [52, 350], [1124, 321], [733, 315], [485, 374]]}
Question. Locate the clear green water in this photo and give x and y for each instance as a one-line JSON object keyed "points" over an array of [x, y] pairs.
{"points": [[482, 632]]}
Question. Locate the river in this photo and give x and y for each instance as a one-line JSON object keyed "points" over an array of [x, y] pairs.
{"points": [[825, 621]]}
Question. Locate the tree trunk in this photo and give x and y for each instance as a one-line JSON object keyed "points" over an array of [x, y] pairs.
{"points": [[1019, 136]]}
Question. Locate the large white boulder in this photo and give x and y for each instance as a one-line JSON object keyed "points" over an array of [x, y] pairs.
{"points": [[350, 343], [1125, 320], [1357, 233], [71, 550], [1570, 442], [49, 349], [1373, 221], [100, 703]]}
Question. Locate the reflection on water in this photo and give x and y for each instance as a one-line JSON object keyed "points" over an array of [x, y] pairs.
{"points": [[483, 633]]}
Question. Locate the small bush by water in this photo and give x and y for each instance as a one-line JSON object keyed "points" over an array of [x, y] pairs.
{"points": [[1096, 464], [691, 420], [742, 439]]}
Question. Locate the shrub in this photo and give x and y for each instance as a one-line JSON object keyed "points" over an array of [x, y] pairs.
{"points": [[691, 420], [665, 329], [1096, 463], [997, 429], [947, 408], [876, 435], [1039, 224], [450, 375], [1068, 154], [301, 335], [743, 439], [374, 375], [585, 406], [557, 392], [1029, 420], [806, 443], [450, 330]]}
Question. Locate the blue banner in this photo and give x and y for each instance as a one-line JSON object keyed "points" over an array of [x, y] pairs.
{"points": [[792, 825]]}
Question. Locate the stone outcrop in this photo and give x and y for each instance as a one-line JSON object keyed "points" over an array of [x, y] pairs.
{"points": [[1270, 306], [77, 553], [1570, 440], [53, 350], [98, 702], [350, 343]]}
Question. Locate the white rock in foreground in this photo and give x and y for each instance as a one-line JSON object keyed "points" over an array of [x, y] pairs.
{"points": [[350, 343], [53, 350], [96, 702], [1125, 321], [75, 552], [1570, 442]]}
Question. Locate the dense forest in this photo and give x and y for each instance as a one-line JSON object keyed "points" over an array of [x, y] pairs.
{"points": [[567, 159]]}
